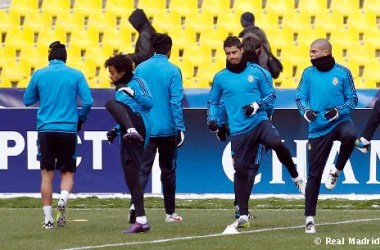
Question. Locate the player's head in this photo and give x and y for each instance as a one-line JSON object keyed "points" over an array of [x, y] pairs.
{"points": [[233, 49], [247, 19], [252, 49], [319, 48], [57, 51], [161, 43], [120, 67]]}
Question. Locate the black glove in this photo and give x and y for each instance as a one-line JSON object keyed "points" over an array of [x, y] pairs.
{"points": [[180, 138], [251, 109], [79, 125], [310, 115], [222, 133], [332, 114], [111, 135], [212, 126]]}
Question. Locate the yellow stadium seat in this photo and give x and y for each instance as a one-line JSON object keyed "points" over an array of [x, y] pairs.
{"points": [[102, 21], [266, 20], [70, 21], [22, 84], [182, 36], [198, 55], [371, 75], [216, 5], [199, 20], [24, 6], [362, 18], [39, 20], [4, 83], [361, 53], [100, 83], [15, 71], [213, 36], [20, 37], [186, 66], [345, 6], [99, 53], [281, 34], [352, 65], [9, 53], [279, 5], [119, 7], [36, 56], [85, 38], [371, 36], [329, 20], [372, 5], [297, 19], [9, 19], [250, 6], [55, 6], [166, 20], [209, 70], [309, 34], [297, 53], [88, 6], [150, 5], [47, 36], [183, 5], [87, 67], [345, 36], [196, 83], [118, 37], [230, 21], [74, 52], [312, 6]]}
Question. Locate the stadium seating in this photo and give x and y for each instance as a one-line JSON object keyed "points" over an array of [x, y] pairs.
{"points": [[251, 6], [55, 6], [183, 5], [94, 30]]}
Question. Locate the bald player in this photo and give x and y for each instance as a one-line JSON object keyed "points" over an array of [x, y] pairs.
{"points": [[325, 97]]}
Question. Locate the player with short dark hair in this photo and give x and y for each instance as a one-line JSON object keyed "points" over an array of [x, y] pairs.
{"points": [[56, 88], [247, 93], [164, 80], [130, 109], [325, 97]]}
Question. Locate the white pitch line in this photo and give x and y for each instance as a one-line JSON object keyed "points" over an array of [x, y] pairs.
{"points": [[215, 235]]}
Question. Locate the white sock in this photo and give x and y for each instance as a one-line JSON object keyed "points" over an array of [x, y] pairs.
{"points": [[47, 212], [141, 219], [132, 207], [132, 130], [364, 141], [309, 218], [298, 178], [64, 195], [244, 217]]}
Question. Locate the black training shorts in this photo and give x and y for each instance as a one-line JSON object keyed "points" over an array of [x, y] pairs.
{"points": [[57, 150]]}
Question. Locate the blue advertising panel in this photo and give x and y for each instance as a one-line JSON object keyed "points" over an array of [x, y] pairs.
{"points": [[204, 163]]}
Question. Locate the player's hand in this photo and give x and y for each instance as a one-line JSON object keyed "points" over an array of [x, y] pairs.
{"points": [[332, 114], [251, 109], [128, 91], [180, 138], [111, 135], [212, 126], [79, 125], [222, 133], [310, 115]]}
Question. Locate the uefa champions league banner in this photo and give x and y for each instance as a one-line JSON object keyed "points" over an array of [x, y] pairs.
{"points": [[204, 163]]}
